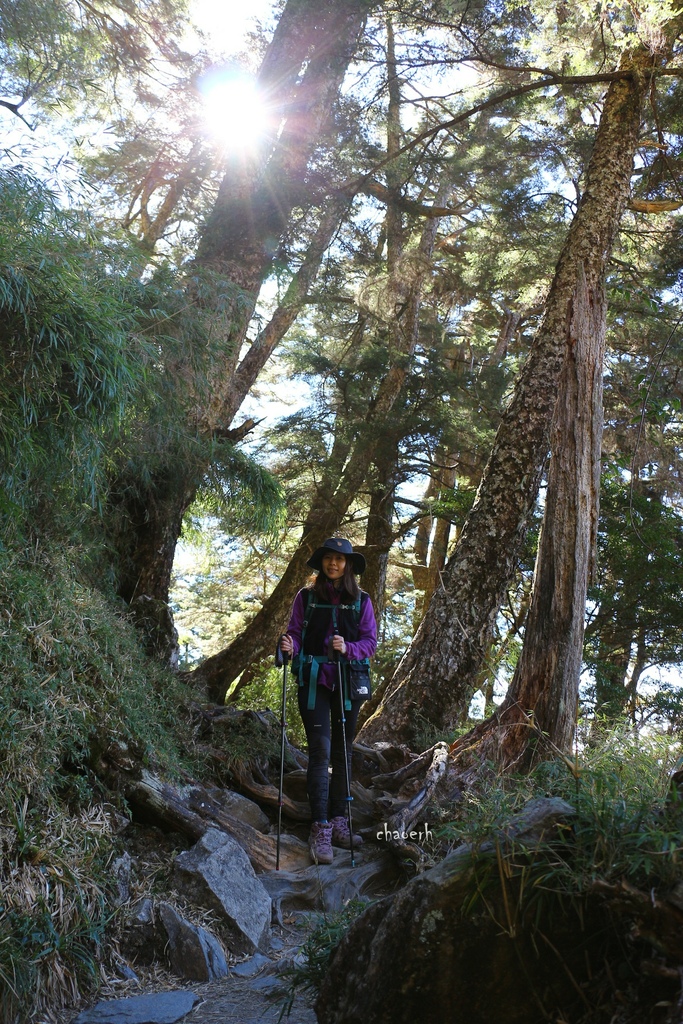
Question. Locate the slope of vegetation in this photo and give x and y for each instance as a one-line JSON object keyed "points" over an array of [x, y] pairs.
{"points": [[75, 679]]}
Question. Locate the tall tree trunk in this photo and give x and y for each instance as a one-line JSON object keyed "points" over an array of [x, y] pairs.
{"points": [[611, 695], [545, 687], [302, 72], [423, 536], [379, 535], [155, 510], [439, 671], [440, 536], [254, 204], [155, 519], [639, 666]]}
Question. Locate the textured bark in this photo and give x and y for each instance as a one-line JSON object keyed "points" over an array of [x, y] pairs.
{"points": [[545, 686], [423, 536], [431, 542], [438, 672], [439, 536], [379, 535], [153, 517]]}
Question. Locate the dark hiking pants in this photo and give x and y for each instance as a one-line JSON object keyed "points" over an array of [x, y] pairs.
{"points": [[326, 747]]}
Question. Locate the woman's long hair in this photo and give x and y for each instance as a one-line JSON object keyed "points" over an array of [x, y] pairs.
{"points": [[350, 588]]}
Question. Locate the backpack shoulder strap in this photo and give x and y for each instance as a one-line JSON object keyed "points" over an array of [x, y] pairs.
{"points": [[307, 616]]}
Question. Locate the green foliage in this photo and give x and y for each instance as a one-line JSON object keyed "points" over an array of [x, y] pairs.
{"points": [[241, 495], [265, 691], [636, 597], [75, 680], [317, 950], [55, 52], [73, 677], [624, 827], [250, 737], [52, 915], [69, 367]]}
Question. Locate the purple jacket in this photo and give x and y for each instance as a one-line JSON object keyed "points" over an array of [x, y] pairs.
{"points": [[364, 647]]}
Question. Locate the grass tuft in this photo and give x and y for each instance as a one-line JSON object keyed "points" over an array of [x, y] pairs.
{"points": [[75, 678]]}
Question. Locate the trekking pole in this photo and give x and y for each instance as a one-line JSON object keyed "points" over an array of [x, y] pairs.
{"points": [[349, 798], [281, 658]]}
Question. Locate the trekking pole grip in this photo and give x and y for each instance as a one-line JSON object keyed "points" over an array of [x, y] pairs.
{"points": [[281, 657]]}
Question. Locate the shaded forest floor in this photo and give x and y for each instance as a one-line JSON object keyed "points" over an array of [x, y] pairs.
{"points": [[94, 734]]}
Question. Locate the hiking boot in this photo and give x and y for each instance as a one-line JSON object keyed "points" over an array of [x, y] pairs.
{"points": [[320, 842], [341, 835]]}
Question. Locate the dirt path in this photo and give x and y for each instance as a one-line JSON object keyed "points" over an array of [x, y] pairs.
{"points": [[241, 1001], [254, 992]]}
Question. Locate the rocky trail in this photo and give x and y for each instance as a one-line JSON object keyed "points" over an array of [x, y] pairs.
{"points": [[208, 927], [253, 988], [253, 992], [209, 931]]}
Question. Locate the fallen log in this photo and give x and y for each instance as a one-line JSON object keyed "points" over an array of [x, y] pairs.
{"points": [[262, 793], [191, 810], [394, 779], [397, 828]]}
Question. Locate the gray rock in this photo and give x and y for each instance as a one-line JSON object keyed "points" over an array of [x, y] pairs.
{"points": [[251, 967], [267, 986], [142, 940], [242, 807], [126, 971], [122, 868], [144, 912], [158, 1008], [193, 951], [216, 873]]}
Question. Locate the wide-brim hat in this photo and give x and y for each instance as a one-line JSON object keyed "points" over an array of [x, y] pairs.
{"points": [[340, 546]]}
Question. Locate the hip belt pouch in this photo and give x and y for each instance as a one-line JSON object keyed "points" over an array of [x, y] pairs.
{"points": [[359, 682]]}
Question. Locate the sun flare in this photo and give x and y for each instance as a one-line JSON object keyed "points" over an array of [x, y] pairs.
{"points": [[234, 110]]}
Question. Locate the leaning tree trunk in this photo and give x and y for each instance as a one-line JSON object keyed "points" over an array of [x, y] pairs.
{"points": [[379, 534], [439, 536], [538, 714], [438, 672], [154, 510], [308, 57], [258, 640]]}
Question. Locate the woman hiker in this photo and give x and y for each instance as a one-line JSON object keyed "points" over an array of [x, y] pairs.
{"points": [[332, 620]]}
